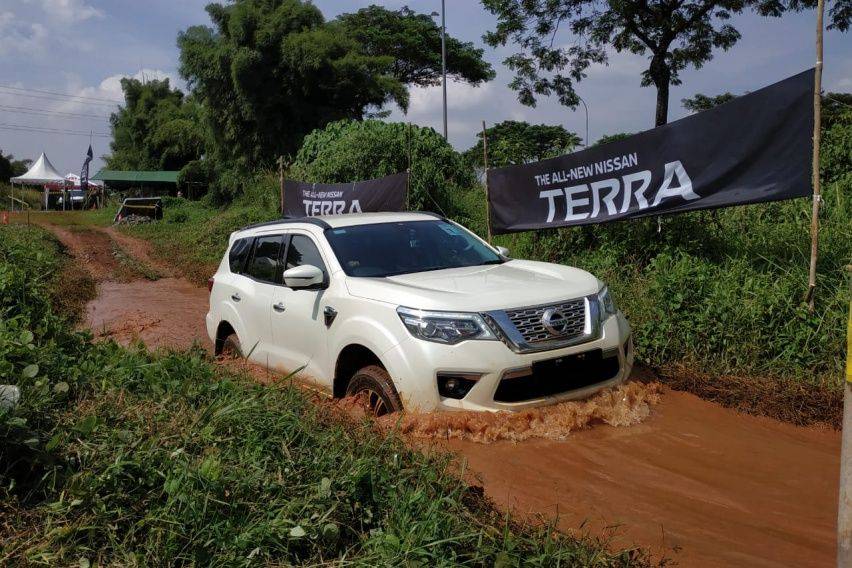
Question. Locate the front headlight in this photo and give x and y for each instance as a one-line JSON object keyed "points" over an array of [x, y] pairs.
{"points": [[444, 327], [606, 303]]}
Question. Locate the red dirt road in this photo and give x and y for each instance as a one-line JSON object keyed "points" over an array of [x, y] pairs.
{"points": [[694, 482]]}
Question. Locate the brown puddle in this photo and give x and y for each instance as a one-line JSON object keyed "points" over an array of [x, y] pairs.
{"points": [[624, 405], [164, 313]]}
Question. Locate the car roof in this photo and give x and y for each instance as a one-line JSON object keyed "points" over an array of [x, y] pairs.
{"points": [[345, 220]]}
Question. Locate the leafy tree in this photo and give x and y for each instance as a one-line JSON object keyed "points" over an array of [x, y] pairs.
{"points": [[674, 35], [702, 102], [607, 138], [414, 41], [354, 150], [271, 71], [836, 108], [10, 167], [512, 142], [157, 128]]}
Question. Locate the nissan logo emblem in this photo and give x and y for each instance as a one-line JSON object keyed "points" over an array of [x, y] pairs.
{"points": [[554, 321]]}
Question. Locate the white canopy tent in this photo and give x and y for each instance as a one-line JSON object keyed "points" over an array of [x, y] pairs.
{"points": [[40, 173]]}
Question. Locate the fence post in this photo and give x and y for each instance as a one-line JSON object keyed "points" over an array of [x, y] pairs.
{"points": [[487, 192], [817, 198]]}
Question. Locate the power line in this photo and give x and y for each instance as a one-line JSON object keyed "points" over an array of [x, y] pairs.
{"points": [[59, 114], [58, 94], [36, 129], [57, 99]]}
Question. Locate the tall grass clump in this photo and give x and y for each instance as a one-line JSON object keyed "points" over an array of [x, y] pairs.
{"points": [[124, 457]]}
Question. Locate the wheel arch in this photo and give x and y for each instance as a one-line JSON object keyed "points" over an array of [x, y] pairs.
{"points": [[351, 358]]}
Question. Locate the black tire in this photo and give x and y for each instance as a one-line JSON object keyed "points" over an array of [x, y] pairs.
{"points": [[376, 385], [231, 348]]}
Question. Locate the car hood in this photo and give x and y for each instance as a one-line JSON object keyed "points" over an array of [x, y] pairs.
{"points": [[513, 284]]}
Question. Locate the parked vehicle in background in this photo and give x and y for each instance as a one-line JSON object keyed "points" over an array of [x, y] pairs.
{"points": [[414, 311]]}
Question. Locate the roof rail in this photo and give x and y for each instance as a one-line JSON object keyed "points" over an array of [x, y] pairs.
{"points": [[290, 220]]}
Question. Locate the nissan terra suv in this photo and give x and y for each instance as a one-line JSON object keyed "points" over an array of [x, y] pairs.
{"points": [[411, 310]]}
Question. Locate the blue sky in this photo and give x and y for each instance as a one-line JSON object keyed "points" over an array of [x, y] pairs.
{"points": [[84, 47]]}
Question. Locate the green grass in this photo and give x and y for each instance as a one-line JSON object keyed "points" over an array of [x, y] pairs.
{"points": [[120, 456]]}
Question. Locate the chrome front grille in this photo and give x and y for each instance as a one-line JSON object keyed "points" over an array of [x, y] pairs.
{"points": [[530, 321], [549, 326]]}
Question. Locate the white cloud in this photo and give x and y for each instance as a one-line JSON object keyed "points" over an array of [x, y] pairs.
{"points": [[21, 37], [70, 11]]}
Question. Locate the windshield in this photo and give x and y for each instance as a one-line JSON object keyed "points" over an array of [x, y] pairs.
{"points": [[387, 249]]}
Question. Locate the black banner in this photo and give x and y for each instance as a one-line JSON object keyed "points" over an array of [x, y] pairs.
{"points": [[303, 199], [753, 149]]}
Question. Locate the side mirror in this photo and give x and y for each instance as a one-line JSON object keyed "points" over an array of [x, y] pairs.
{"points": [[502, 251], [305, 276]]}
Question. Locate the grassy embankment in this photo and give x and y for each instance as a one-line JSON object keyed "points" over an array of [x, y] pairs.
{"points": [[120, 456], [715, 298]]}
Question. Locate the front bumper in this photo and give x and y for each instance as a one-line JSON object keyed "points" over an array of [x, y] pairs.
{"points": [[415, 365]]}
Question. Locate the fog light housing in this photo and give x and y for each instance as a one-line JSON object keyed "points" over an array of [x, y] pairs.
{"points": [[456, 385]]}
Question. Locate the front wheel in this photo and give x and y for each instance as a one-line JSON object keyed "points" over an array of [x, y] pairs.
{"points": [[374, 386]]}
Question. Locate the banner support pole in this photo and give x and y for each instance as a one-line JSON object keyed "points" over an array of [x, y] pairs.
{"points": [[817, 197], [408, 178], [487, 193], [281, 184]]}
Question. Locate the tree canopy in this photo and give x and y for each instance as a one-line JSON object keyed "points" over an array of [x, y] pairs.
{"points": [[702, 102], [350, 150], [10, 167], [414, 41], [673, 35], [512, 142], [271, 71], [157, 128]]}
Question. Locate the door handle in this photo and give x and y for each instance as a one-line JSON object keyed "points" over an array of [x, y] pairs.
{"points": [[279, 307], [236, 297]]}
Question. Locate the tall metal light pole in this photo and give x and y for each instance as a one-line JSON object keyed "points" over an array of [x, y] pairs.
{"points": [[444, 60]]}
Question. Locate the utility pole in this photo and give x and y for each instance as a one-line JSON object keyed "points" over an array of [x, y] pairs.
{"points": [[586, 107], [444, 60], [281, 184]]}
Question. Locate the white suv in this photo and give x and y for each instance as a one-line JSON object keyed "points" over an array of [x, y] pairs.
{"points": [[413, 311]]}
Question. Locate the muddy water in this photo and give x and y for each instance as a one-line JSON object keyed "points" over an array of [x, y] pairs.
{"points": [[698, 483], [624, 405], [163, 313]]}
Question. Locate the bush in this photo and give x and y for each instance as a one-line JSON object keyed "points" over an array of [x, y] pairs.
{"points": [[346, 151]]}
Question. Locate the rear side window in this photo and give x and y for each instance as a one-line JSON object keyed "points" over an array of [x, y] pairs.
{"points": [[303, 251], [265, 262], [238, 255]]}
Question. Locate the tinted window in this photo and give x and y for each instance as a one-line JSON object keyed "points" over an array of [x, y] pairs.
{"points": [[386, 249], [265, 261], [303, 251], [238, 255]]}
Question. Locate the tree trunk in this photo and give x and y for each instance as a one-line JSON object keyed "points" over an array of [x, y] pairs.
{"points": [[661, 75]]}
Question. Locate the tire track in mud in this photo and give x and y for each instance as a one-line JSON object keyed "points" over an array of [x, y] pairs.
{"points": [[695, 482]]}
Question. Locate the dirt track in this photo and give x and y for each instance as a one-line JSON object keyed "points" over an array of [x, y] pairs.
{"points": [[695, 482]]}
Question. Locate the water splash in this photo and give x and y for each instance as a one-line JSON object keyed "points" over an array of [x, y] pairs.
{"points": [[624, 405]]}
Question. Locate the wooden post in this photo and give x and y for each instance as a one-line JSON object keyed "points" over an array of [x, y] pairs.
{"points": [[844, 507], [281, 183], [487, 193], [817, 198]]}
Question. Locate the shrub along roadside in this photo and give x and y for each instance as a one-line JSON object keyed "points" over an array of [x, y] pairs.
{"points": [[126, 457]]}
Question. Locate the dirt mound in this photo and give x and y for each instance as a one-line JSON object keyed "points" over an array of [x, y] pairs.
{"points": [[624, 405]]}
